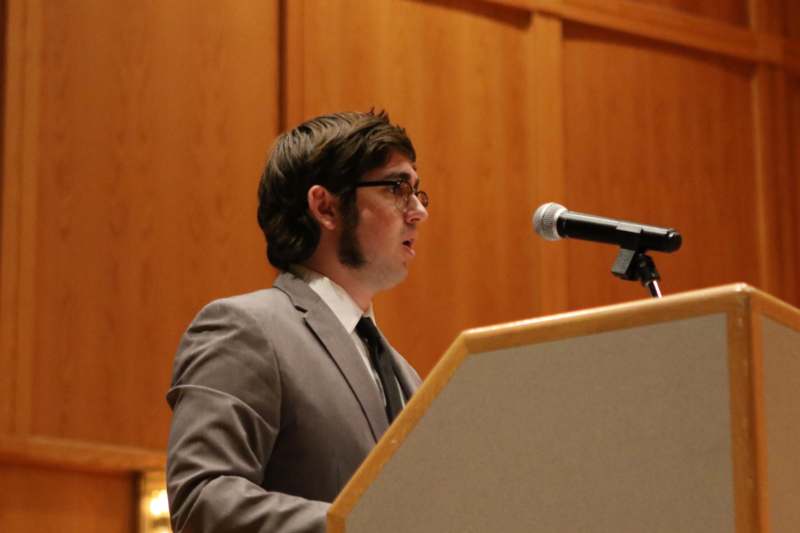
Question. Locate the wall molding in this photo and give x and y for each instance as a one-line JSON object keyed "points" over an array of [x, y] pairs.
{"points": [[77, 455], [670, 26]]}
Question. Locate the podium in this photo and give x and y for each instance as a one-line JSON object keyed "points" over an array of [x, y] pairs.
{"points": [[674, 415]]}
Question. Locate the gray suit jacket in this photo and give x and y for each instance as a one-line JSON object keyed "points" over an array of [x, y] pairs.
{"points": [[273, 411]]}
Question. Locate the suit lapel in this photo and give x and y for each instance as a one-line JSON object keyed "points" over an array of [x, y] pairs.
{"points": [[339, 345]]}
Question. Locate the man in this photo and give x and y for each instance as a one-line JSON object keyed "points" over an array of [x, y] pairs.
{"points": [[278, 395]]}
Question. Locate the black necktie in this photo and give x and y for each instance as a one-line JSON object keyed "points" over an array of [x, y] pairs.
{"points": [[382, 363]]}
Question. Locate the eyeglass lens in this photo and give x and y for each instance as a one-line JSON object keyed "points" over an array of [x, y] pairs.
{"points": [[403, 190]]}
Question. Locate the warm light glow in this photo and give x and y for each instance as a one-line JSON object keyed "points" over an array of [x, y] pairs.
{"points": [[153, 504], [158, 505]]}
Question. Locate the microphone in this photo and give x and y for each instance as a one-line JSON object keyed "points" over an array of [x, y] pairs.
{"points": [[552, 221]]}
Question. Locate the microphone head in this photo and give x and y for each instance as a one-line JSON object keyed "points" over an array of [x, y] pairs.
{"points": [[545, 218]]}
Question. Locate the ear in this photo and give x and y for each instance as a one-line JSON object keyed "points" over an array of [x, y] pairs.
{"points": [[323, 206]]}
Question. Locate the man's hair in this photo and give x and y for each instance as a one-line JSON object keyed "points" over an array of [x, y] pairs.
{"points": [[334, 151]]}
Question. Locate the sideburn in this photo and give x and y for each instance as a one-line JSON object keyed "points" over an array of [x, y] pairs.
{"points": [[349, 252]]}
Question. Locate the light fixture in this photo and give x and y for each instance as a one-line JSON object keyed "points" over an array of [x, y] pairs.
{"points": [[153, 506]]}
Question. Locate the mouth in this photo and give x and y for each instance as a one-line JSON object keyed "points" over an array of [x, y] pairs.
{"points": [[408, 244]]}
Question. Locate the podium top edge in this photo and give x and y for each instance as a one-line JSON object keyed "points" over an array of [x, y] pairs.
{"points": [[722, 298]]}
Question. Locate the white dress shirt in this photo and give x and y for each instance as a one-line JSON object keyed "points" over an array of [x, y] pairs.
{"points": [[348, 312]]}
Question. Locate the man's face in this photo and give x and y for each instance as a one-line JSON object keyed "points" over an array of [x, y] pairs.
{"points": [[377, 240]]}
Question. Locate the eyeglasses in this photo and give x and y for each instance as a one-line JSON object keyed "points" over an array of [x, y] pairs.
{"points": [[401, 189]]}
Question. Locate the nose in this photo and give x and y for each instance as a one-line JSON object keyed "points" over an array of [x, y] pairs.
{"points": [[416, 212]]}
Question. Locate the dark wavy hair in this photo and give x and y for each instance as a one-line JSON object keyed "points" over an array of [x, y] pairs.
{"points": [[334, 151]]}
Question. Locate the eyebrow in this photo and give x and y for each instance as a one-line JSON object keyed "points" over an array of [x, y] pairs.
{"points": [[405, 176]]}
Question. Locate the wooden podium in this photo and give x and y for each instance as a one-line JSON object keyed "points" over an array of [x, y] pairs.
{"points": [[673, 415]]}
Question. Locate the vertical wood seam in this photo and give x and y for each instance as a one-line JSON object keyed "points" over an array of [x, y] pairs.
{"points": [[29, 177], [770, 158], [9, 238], [293, 75], [282, 60], [759, 86], [23, 149], [759, 90], [547, 76], [755, 19], [784, 268], [19, 228]]}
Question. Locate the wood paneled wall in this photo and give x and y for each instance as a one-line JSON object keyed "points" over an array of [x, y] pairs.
{"points": [[46, 500], [134, 135], [654, 133]]}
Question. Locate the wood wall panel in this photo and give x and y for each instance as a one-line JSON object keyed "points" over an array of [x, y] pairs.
{"points": [[767, 15], [776, 201], [155, 120], [788, 190], [660, 135], [781, 17], [791, 19], [732, 11], [458, 76], [55, 501]]}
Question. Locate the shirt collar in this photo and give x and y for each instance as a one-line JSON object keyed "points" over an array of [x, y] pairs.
{"points": [[335, 297]]}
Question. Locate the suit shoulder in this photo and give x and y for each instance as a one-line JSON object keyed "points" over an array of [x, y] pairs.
{"points": [[260, 304]]}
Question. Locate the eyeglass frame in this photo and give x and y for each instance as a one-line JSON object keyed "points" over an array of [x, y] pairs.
{"points": [[395, 184]]}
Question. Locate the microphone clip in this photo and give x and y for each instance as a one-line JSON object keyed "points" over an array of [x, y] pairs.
{"points": [[633, 264]]}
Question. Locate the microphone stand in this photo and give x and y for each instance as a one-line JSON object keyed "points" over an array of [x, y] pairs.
{"points": [[633, 264]]}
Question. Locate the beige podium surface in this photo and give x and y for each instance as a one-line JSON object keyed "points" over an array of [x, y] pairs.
{"points": [[670, 415]]}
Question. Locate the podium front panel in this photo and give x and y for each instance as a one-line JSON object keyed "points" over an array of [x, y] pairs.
{"points": [[618, 431]]}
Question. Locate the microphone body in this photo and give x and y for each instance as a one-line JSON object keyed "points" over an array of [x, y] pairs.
{"points": [[553, 222]]}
